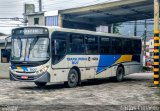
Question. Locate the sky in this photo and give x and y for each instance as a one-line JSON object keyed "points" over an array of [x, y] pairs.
{"points": [[15, 8]]}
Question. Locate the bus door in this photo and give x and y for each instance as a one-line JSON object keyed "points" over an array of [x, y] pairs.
{"points": [[91, 55], [58, 52]]}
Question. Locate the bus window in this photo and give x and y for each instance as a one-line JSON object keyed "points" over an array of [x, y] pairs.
{"points": [[76, 45], [59, 46], [116, 46], [137, 46], [105, 45], [91, 45], [127, 46]]}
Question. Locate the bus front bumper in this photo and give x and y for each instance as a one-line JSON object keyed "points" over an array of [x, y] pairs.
{"points": [[45, 77]]}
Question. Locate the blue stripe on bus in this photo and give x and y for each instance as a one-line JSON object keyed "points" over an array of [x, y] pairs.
{"points": [[106, 61], [25, 68]]}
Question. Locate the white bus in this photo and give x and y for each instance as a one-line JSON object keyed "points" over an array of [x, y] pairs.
{"points": [[53, 54]]}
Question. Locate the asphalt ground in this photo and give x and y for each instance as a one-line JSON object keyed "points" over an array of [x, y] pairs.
{"points": [[136, 92]]}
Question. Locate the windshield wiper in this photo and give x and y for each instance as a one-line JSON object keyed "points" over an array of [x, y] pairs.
{"points": [[19, 40], [32, 45]]}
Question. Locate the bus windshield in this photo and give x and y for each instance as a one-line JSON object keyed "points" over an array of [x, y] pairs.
{"points": [[30, 49]]}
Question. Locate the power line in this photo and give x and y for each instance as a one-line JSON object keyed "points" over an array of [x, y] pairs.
{"points": [[10, 26], [17, 1], [75, 5], [79, 4]]}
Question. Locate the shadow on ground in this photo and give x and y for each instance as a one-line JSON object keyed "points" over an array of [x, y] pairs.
{"points": [[85, 83]]}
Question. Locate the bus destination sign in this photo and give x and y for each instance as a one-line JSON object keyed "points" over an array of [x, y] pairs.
{"points": [[29, 31]]}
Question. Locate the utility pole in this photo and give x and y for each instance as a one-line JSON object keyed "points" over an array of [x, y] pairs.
{"points": [[156, 43], [24, 15], [145, 38], [40, 5], [60, 20]]}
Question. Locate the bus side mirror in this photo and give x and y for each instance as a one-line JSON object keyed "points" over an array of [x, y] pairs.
{"points": [[5, 55], [7, 39]]}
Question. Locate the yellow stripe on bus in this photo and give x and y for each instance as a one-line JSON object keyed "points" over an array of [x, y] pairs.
{"points": [[19, 69], [124, 58]]}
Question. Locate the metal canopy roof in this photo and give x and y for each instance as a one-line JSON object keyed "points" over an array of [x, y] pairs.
{"points": [[113, 12]]}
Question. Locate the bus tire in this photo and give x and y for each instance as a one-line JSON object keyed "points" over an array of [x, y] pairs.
{"points": [[40, 84], [119, 74], [72, 78]]}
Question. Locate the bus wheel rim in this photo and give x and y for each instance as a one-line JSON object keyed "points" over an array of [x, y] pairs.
{"points": [[120, 74], [72, 78]]}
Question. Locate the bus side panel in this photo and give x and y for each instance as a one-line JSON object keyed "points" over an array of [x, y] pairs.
{"points": [[59, 75], [135, 67], [112, 62], [104, 74], [106, 65], [78, 61], [126, 69], [124, 60], [59, 72], [91, 66], [114, 69], [135, 64], [129, 68]]}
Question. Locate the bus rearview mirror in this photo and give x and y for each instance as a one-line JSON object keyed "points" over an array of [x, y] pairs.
{"points": [[7, 39]]}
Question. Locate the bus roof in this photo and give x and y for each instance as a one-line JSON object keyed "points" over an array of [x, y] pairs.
{"points": [[56, 28]]}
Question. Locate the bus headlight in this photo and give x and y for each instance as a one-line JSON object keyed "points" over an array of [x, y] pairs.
{"points": [[44, 69]]}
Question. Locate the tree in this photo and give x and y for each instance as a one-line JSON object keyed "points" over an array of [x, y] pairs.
{"points": [[116, 28]]}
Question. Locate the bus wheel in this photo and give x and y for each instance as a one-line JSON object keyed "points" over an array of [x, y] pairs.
{"points": [[119, 74], [40, 84], [72, 78]]}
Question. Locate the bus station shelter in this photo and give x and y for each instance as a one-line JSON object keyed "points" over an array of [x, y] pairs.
{"points": [[92, 16]]}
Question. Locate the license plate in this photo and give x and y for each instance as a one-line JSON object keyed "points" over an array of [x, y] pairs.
{"points": [[24, 77]]}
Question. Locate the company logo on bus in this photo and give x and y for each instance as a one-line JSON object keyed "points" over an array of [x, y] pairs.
{"points": [[76, 60]]}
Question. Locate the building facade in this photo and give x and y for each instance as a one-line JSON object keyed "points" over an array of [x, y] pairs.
{"points": [[36, 18], [4, 67]]}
